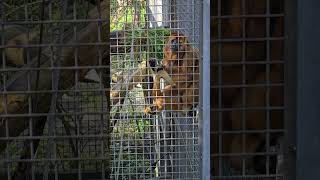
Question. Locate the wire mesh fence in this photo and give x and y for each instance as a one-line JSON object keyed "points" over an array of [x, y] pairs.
{"points": [[154, 114], [53, 124], [247, 89], [100, 89]]}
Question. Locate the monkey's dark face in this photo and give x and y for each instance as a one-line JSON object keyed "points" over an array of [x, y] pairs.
{"points": [[154, 65], [176, 46], [152, 62]]}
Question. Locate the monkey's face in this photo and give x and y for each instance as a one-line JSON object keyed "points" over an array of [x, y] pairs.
{"points": [[176, 47], [154, 65]]}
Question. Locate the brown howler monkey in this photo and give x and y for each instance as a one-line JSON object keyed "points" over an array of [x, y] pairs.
{"points": [[181, 62]]}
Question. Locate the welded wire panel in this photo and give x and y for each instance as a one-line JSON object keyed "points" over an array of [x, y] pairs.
{"points": [[247, 85], [155, 89], [58, 118], [54, 80]]}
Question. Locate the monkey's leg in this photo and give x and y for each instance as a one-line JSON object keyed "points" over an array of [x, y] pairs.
{"points": [[157, 97], [189, 96], [172, 98], [168, 99]]}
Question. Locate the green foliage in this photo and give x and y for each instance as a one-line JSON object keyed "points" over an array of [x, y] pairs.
{"points": [[156, 39], [142, 124], [150, 41], [147, 43], [125, 18]]}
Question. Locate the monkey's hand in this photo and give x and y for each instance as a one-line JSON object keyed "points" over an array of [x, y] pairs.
{"points": [[163, 74], [158, 101]]}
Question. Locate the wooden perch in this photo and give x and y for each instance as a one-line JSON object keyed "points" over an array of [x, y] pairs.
{"points": [[12, 104]]}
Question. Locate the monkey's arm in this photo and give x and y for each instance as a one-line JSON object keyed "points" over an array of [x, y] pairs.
{"points": [[157, 95]]}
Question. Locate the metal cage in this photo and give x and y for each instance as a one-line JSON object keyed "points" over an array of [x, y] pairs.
{"points": [[54, 117], [247, 89], [164, 144], [103, 89]]}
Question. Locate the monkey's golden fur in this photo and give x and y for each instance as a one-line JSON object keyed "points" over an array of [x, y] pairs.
{"points": [[183, 68]]}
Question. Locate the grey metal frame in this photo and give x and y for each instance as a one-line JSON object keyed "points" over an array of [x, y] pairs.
{"points": [[205, 92], [306, 44], [291, 89]]}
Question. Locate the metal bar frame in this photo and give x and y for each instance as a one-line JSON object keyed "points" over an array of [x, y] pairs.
{"points": [[205, 91], [268, 62], [306, 39], [290, 88]]}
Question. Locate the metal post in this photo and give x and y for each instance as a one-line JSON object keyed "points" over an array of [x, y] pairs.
{"points": [[290, 89], [308, 90], [205, 91]]}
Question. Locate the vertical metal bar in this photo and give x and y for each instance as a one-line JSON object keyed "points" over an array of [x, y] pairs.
{"points": [[196, 8], [290, 80], [101, 80], [76, 94], [3, 38], [29, 98], [268, 86], [308, 89], [157, 145], [107, 106], [55, 86], [219, 83], [205, 91], [244, 92]]}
